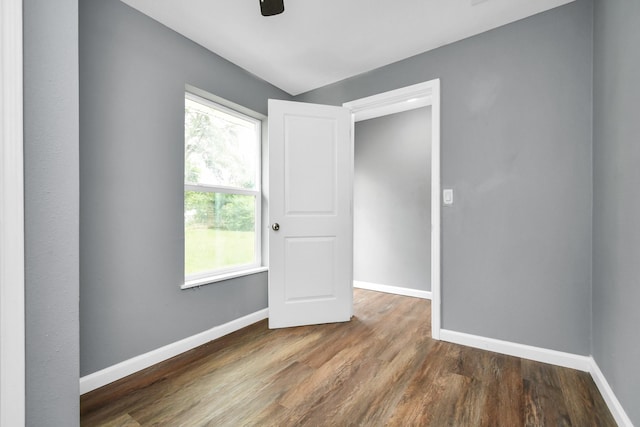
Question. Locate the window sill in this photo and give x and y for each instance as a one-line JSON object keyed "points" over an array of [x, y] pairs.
{"points": [[220, 277]]}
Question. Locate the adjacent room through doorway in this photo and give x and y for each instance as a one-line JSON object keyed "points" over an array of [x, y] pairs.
{"points": [[392, 203]]}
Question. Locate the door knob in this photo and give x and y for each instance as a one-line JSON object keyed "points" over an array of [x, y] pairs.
{"points": [[275, 226]]}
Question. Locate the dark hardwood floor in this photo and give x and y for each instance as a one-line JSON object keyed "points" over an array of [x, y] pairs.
{"points": [[382, 368]]}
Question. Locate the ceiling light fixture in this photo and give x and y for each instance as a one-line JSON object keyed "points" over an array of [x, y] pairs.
{"points": [[271, 7]]}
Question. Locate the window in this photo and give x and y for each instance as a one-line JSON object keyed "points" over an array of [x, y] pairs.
{"points": [[221, 192]]}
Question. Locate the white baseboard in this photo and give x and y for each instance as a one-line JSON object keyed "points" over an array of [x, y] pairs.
{"points": [[392, 289], [559, 358], [113, 373], [567, 360], [609, 396]]}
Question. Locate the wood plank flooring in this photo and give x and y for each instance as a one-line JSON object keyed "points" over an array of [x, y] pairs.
{"points": [[382, 368]]}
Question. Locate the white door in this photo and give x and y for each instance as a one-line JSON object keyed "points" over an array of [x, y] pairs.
{"points": [[310, 197]]}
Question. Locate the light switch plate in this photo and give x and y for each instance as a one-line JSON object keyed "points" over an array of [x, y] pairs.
{"points": [[447, 196]]}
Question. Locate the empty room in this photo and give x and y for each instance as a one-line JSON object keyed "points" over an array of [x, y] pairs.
{"points": [[252, 212]]}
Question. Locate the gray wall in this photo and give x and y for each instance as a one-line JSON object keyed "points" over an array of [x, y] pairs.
{"points": [[516, 149], [51, 211], [616, 219], [392, 200], [133, 73]]}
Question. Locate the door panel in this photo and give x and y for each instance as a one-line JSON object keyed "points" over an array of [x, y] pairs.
{"points": [[310, 160], [310, 184], [307, 277]]}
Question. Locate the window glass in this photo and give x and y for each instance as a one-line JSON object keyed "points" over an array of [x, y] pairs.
{"points": [[219, 231], [220, 148], [221, 189]]}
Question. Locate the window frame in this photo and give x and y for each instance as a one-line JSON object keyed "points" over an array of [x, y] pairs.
{"points": [[212, 276]]}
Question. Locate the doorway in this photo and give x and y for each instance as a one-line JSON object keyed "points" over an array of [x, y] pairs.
{"points": [[391, 203], [403, 100]]}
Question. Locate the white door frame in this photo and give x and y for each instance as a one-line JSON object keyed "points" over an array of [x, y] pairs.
{"points": [[12, 323], [405, 99]]}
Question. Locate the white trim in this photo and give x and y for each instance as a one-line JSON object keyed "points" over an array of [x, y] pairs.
{"points": [[194, 283], [397, 290], [12, 309], [436, 228], [559, 358], [404, 99], [352, 167], [113, 373], [221, 189], [394, 101], [224, 102], [609, 396], [217, 103]]}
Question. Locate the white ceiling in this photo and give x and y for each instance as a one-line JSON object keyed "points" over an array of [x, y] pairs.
{"points": [[318, 42]]}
